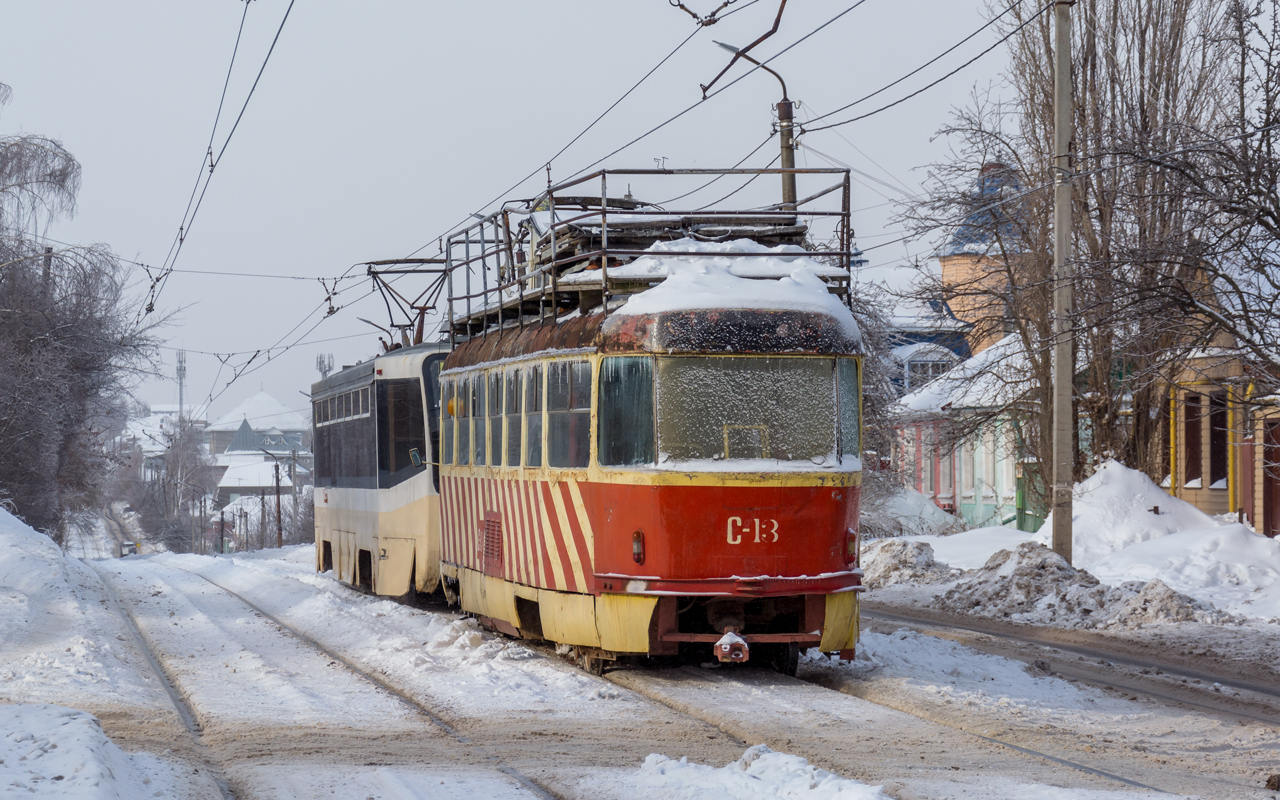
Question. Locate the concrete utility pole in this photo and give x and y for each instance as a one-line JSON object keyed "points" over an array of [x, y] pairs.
{"points": [[786, 128], [279, 521], [1064, 418]]}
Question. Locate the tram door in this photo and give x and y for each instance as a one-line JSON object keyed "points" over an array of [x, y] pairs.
{"points": [[1271, 479]]}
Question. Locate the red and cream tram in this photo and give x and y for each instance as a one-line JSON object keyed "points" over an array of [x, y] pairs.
{"points": [[669, 464]]}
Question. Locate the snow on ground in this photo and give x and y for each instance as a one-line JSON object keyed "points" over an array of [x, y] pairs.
{"points": [[1131, 565], [439, 655], [759, 774], [51, 751], [59, 642]]}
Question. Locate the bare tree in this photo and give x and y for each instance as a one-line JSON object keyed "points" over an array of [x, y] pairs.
{"points": [[1146, 76], [68, 345]]}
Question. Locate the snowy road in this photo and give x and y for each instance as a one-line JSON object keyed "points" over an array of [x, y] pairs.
{"points": [[309, 718]]}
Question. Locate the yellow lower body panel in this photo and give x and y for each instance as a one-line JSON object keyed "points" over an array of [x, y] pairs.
{"points": [[615, 622], [840, 628]]}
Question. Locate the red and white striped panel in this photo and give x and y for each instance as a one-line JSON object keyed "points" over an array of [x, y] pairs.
{"points": [[547, 536]]}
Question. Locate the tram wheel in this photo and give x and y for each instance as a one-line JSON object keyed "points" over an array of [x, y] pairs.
{"points": [[590, 664], [786, 658]]}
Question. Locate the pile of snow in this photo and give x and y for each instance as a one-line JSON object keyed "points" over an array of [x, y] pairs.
{"points": [[760, 774], [1142, 566], [59, 642], [904, 512], [1230, 566], [713, 281], [890, 561], [1033, 584], [1112, 510], [50, 751]]}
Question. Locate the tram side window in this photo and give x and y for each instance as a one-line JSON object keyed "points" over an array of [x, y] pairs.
{"points": [[533, 417], [512, 403], [446, 422], [478, 414], [463, 403], [495, 417], [569, 413], [626, 411], [848, 398], [401, 428]]}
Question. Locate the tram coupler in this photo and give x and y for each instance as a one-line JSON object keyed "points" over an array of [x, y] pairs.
{"points": [[732, 648]]}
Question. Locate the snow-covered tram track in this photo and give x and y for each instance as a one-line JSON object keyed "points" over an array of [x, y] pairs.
{"points": [[404, 697], [310, 730], [1148, 677], [760, 707], [184, 711]]}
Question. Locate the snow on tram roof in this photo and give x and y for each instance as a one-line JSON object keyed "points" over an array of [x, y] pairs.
{"points": [[789, 280]]}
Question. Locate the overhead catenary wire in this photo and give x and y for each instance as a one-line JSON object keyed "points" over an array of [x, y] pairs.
{"points": [[160, 280], [923, 66], [592, 124], [934, 83]]}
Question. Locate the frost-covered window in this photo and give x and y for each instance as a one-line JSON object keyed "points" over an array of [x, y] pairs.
{"points": [[495, 417], [735, 407], [446, 421], [512, 404], [463, 406], [569, 413], [533, 417], [849, 398], [626, 436], [478, 415]]}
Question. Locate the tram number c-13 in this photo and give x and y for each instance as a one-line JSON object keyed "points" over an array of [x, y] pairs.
{"points": [[763, 530]]}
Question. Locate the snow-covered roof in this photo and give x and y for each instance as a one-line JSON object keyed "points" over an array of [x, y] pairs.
{"points": [[263, 412], [253, 476], [718, 280], [930, 350], [780, 262], [995, 378]]}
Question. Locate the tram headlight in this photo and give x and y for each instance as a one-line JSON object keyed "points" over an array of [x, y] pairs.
{"points": [[637, 547]]}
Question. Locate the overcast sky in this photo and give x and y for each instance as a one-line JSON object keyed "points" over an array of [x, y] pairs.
{"points": [[379, 125]]}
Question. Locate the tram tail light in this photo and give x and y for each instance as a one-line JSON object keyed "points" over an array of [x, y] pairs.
{"points": [[637, 547], [851, 547]]}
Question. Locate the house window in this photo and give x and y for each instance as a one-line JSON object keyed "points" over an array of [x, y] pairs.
{"points": [[1218, 440], [1191, 435], [921, 372], [989, 463], [966, 469]]}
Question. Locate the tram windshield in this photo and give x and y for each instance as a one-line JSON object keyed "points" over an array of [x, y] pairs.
{"points": [[730, 412], [726, 408]]}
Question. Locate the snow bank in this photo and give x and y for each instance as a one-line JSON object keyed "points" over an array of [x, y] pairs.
{"points": [[890, 561], [714, 281], [1142, 566], [759, 774], [52, 751], [58, 640], [1033, 584], [1230, 566], [905, 513], [1112, 510]]}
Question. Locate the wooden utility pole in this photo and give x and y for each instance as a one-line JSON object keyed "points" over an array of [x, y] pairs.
{"points": [[222, 529], [1064, 418], [262, 519]]}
